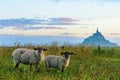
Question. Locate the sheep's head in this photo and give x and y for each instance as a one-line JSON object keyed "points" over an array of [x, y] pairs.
{"points": [[67, 54], [62, 47], [40, 49]]}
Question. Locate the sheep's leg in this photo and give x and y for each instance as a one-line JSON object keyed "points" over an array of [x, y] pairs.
{"points": [[60, 66], [30, 67], [16, 65], [62, 69], [47, 66], [36, 67]]}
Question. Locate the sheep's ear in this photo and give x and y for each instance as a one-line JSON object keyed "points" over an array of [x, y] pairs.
{"points": [[72, 53], [62, 53], [44, 49]]}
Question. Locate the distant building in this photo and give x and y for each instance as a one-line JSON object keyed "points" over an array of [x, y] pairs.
{"points": [[97, 39]]}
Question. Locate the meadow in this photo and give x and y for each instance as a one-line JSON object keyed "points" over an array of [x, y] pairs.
{"points": [[89, 63]]}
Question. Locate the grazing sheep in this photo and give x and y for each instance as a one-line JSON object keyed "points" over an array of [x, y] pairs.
{"points": [[59, 62], [28, 56]]}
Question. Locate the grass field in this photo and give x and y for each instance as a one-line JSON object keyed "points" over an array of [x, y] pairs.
{"points": [[89, 63]]}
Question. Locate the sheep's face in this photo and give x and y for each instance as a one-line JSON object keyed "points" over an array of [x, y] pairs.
{"points": [[67, 54], [40, 49]]}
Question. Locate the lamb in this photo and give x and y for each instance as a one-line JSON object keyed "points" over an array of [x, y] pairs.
{"points": [[28, 56], [59, 62]]}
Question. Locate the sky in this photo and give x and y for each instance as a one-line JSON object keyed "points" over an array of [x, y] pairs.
{"points": [[83, 16]]}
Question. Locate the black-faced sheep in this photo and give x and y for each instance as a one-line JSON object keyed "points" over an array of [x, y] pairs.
{"points": [[28, 56], [59, 62]]}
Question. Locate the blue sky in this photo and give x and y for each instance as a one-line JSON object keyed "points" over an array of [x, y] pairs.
{"points": [[87, 14], [60, 8]]}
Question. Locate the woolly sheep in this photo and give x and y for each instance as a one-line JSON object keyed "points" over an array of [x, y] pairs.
{"points": [[28, 56], [59, 62]]}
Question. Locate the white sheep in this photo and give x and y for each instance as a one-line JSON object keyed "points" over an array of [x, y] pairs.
{"points": [[28, 56], [59, 62]]}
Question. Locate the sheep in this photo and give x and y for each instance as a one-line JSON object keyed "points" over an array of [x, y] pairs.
{"points": [[28, 56], [60, 62]]}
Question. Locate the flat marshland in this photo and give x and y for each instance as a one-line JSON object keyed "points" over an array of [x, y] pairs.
{"points": [[89, 63]]}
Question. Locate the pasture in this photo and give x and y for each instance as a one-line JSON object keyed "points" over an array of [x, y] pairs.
{"points": [[89, 63]]}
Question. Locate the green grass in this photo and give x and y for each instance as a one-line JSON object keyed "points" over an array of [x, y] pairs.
{"points": [[89, 63]]}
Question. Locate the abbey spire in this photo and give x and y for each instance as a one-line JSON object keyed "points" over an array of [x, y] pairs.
{"points": [[97, 30]]}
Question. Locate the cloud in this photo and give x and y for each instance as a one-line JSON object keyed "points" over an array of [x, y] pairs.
{"points": [[32, 28], [61, 21], [37, 28], [49, 21], [67, 33], [1, 27], [54, 28], [114, 34], [86, 34]]}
